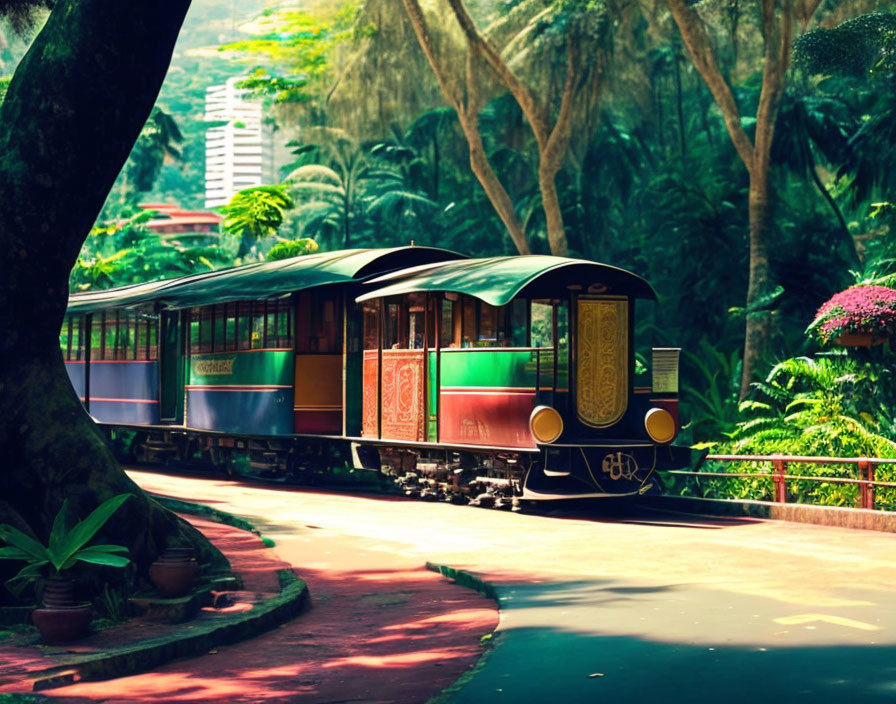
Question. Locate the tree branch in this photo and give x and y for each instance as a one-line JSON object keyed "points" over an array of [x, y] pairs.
{"points": [[535, 114], [699, 47]]}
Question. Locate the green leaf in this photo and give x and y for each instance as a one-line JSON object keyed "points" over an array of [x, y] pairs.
{"points": [[30, 571], [11, 553], [58, 530], [86, 529], [101, 558], [103, 549], [18, 539]]}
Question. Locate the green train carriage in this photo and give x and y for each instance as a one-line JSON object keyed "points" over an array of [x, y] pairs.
{"points": [[523, 369]]}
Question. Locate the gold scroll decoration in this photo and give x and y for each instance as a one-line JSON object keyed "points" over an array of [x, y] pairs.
{"points": [[602, 360]]}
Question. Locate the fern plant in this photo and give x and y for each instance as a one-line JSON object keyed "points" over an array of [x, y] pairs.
{"points": [[825, 406]]}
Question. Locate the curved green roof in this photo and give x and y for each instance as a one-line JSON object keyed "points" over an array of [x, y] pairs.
{"points": [[499, 279], [262, 280]]}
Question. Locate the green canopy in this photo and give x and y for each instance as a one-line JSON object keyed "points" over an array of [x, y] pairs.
{"points": [[262, 280], [499, 279]]}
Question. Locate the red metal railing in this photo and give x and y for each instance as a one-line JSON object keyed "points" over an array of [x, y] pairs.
{"points": [[865, 470]]}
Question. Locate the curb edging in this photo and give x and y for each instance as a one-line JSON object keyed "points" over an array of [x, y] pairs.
{"points": [[293, 599]]}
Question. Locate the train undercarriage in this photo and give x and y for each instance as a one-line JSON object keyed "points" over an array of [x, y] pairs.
{"points": [[487, 478]]}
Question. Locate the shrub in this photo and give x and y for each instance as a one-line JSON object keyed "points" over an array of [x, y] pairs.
{"points": [[859, 309]]}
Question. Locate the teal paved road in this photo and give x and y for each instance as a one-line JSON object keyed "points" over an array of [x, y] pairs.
{"points": [[638, 608]]}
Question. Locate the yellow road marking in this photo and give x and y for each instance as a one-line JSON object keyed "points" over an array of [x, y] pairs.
{"points": [[826, 618]]}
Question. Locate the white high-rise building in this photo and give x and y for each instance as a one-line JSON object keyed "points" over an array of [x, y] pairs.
{"points": [[238, 154]]}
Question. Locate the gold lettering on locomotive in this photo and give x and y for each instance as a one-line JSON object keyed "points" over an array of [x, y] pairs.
{"points": [[213, 367], [620, 466]]}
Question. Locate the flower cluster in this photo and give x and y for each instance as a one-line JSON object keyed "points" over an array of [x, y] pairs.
{"points": [[859, 309]]}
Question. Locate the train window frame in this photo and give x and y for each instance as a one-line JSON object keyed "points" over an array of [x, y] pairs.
{"points": [[72, 338], [241, 326]]}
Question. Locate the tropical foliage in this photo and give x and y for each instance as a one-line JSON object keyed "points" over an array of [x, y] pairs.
{"points": [[66, 546]]}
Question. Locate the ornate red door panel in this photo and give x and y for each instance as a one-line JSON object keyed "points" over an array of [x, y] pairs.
{"points": [[370, 410], [403, 395]]}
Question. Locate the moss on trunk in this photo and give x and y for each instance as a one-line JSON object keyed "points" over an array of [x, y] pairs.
{"points": [[72, 112]]}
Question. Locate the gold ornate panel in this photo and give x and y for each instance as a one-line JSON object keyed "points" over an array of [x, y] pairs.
{"points": [[602, 360]]}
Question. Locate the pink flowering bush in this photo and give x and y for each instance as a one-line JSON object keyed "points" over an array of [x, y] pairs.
{"points": [[859, 309]]}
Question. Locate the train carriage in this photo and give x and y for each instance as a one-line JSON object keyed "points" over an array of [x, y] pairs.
{"points": [[487, 379], [525, 363]]}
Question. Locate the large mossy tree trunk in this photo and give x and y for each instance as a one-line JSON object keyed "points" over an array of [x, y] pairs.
{"points": [[72, 112]]}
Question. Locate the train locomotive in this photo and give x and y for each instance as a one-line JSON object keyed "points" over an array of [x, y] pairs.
{"points": [[488, 381]]}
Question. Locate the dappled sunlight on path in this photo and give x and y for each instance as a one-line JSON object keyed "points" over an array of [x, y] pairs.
{"points": [[390, 636]]}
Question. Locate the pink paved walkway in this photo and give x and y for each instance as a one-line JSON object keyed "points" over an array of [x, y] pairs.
{"points": [[377, 634]]}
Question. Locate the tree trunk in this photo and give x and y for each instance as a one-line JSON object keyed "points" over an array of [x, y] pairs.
{"points": [[468, 117], [758, 323], [73, 110], [550, 203]]}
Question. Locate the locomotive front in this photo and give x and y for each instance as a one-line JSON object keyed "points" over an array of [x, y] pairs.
{"points": [[517, 376]]}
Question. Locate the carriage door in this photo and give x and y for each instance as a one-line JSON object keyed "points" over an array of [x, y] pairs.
{"points": [[318, 365], [171, 359], [602, 360], [394, 374]]}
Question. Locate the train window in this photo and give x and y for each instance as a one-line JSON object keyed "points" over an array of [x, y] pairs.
{"points": [[96, 336], [153, 341], [141, 348], [390, 328], [244, 327], [370, 326], [562, 326], [449, 313], [519, 323], [270, 325], [488, 334], [318, 323], [416, 325], [206, 327], [469, 321], [258, 320], [110, 333], [284, 324], [194, 330], [219, 337], [542, 325], [71, 338]]}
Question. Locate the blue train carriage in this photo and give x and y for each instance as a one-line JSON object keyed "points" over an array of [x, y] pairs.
{"points": [[110, 344], [515, 377], [246, 362]]}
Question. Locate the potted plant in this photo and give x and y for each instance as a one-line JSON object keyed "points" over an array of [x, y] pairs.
{"points": [[861, 315], [62, 619]]}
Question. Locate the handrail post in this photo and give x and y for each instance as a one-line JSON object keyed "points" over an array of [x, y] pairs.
{"points": [[780, 478], [866, 475]]}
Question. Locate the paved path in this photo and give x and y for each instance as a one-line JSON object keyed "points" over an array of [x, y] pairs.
{"points": [[633, 610], [382, 628]]}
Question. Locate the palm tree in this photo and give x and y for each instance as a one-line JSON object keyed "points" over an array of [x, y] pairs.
{"points": [[342, 197]]}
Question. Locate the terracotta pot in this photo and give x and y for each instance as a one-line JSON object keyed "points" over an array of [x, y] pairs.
{"points": [[62, 619], [174, 572], [859, 339]]}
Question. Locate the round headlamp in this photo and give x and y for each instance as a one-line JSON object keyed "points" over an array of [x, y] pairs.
{"points": [[660, 425], [545, 424]]}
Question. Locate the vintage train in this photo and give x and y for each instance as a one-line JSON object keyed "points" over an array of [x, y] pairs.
{"points": [[484, 380]]}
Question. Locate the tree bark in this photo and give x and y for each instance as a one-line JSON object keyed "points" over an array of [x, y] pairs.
{"points": [[552, 143], [468, 116], [756, 155], [73, 110]]}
